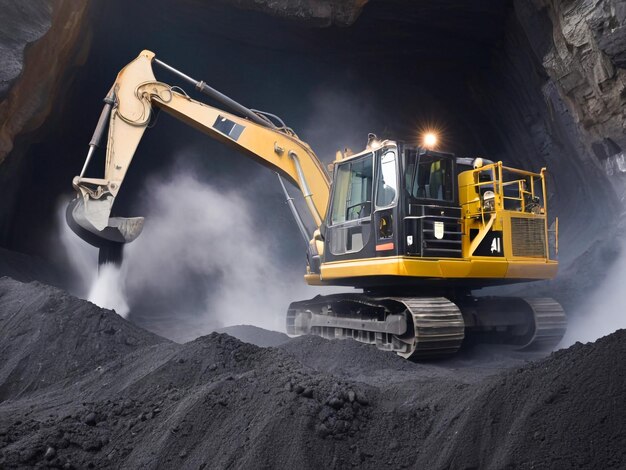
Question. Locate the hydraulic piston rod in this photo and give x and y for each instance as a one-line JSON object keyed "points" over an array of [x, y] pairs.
{"points": [[216, 95], [248, 113], [294, 211], [109, 101]]}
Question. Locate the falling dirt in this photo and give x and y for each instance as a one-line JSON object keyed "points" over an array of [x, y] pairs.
{"points": [[80, 387]]}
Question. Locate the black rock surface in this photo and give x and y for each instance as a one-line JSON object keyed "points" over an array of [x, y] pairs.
{"points": [[82, 388], [22, 23]]}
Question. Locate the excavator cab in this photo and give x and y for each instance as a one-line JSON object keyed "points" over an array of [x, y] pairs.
{"points": [[394, 200]]}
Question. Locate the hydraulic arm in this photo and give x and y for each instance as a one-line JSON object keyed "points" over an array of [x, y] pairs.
{"points": [[128, 109]]}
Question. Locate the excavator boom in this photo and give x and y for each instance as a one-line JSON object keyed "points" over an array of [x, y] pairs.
{"points": [[128, 108]]}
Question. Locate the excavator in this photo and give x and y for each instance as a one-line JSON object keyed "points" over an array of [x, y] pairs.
{"points": [[414, 230]]}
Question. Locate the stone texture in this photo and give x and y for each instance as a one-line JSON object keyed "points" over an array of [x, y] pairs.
{"points": [[22, 24], [27, 103], [587, 65], [319, 13]]}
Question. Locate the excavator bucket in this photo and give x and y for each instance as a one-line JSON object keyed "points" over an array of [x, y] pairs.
{"points": [[89, 219]]}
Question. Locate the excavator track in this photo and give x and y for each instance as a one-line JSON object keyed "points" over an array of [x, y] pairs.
{"points": [[550, 323], [428, 327], [414, 327], [438, 327], [521, 322]]}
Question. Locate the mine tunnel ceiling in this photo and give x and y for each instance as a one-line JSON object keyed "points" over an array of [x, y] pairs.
{"points": [[409, 62]]}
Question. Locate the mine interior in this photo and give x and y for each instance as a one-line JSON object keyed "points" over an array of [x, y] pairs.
{"points": [[177, 376]]}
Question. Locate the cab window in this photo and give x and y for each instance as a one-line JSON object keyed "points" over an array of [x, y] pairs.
{"points": [[352, 197], [387, 189], [430, 177]]}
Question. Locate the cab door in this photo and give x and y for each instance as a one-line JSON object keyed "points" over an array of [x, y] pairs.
{"points": [[348, 233], [386, 203]]}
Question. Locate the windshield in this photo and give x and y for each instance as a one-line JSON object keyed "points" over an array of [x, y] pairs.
{"points": [[429, 176]]}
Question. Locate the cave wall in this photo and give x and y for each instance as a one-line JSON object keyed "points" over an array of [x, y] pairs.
{"points": [[588, 64], [23, 23], [41, 42], [556, 99]]}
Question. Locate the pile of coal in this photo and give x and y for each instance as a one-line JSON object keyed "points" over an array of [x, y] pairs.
{"points": [[255, 335], [80, 387]]}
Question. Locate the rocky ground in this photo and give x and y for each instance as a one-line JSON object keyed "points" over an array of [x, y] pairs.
{"points": [[82, 388]]}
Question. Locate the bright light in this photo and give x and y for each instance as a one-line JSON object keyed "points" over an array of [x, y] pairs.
{"points": [[430, 140], [374, 144]]}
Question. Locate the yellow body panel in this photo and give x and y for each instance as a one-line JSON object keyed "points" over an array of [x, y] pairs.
{"points": [[313, 280], [404, 266], [477, 221], [531, 269]]}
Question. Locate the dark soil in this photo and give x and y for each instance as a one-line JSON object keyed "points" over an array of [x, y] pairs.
{"points": [[82, 388], [28, 268], [255, 335]]}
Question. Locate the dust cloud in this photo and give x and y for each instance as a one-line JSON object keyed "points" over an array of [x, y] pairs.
{"points": [[603, 312], [340, 118], [201, 263], [107, 290], [195, 233], [204, 261], [103, 287]]}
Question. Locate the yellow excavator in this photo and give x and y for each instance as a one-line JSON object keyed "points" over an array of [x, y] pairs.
{"points": [[417, 230]]}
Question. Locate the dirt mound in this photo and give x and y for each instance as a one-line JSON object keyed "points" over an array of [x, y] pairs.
{"points": [[255, 335], [84, 388], [345, 357], [48, 336], [27, 268], [214, 402], [566, 411]]}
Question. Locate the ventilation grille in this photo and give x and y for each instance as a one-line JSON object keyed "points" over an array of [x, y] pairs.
{"points": [[529, 237]]}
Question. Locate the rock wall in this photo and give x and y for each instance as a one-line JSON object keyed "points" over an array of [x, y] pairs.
{"points": [[41, 43], [22, 23], [27, 104], [587, 64]]}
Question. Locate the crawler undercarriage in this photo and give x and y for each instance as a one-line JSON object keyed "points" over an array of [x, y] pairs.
{"points": [[421, 327]]}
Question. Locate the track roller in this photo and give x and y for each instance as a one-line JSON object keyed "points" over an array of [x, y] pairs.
{"points": [[524, 323], [550, 324], [411, 327]]}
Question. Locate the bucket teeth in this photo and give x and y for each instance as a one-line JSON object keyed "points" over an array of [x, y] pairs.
{"points": [[91, 222]]}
